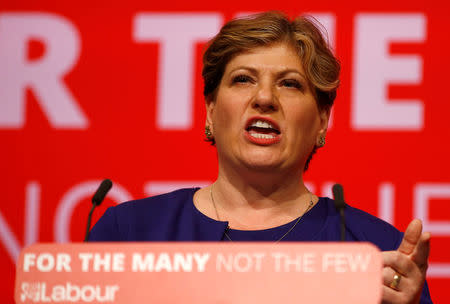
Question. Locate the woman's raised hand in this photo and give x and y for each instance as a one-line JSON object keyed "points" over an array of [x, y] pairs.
{"points": [[405, 269]]}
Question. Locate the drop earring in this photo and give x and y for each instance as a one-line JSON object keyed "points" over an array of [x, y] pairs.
{"points": [[321, 141], [208, 133]]}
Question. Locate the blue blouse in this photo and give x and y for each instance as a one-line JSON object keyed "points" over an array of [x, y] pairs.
{"points": [[174, 217]]}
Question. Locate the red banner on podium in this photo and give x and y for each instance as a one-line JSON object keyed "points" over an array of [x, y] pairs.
{"points": [[199, 273]]}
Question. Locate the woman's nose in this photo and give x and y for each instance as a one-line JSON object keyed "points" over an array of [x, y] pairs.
{"points": [[265, 98]]}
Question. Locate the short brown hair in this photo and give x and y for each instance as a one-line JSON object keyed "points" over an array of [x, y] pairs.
{"points": [[303, 33]]}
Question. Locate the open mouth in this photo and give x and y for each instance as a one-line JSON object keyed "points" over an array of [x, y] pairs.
{"points": [[262, 131]]}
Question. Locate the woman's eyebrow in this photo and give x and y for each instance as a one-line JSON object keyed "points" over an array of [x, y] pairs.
{"points": [[287, 71], [279, 74]]}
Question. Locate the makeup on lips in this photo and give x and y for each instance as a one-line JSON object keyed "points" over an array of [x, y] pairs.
{"points": [[262, 131]]}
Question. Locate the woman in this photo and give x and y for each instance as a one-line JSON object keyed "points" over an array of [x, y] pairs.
{"points": [[269, 87]]}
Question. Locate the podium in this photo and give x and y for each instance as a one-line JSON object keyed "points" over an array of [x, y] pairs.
{"points": [[203, 272]]}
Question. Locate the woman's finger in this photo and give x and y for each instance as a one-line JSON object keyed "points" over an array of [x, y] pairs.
{"points": [[399, 262], [389, 275], [411, 237], [405, 290], [422, 251]]}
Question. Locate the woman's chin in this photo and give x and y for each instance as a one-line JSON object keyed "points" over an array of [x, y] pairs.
{"points": [[258, 159], [263, 163]]}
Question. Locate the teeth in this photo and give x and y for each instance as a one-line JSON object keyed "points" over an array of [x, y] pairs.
{"points": [[259, 135], [261, 124]]}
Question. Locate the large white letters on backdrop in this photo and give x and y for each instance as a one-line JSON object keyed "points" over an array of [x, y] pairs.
{"points": [[43, 75], [176, 35], [374, 69]]}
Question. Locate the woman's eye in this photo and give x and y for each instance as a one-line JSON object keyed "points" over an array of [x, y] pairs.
{"points": [[291, 83], [241, 79]]}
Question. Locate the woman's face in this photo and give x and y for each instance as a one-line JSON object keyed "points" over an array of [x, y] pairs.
{"points": [[265, 116]]}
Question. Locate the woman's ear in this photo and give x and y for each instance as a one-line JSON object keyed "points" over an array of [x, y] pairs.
{"points": [[324, 119], [210, 103], [209, 126]]}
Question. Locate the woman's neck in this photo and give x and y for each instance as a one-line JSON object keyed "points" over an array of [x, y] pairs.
{"points": [[259, 200]]}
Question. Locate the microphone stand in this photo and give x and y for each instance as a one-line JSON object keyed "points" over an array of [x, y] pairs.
{"points": [[97, 199], [339, 203]]}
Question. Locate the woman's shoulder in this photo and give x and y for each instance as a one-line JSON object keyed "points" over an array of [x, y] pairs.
{"points": [[143, 219], [162, 202], [363, 226], [370, 222]]}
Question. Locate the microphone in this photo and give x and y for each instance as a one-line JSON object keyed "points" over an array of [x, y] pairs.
{"points": [[97, 199], [339, 203], [101, 192]]}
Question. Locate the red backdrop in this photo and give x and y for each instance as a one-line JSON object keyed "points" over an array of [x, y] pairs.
{"points": [[93, 90]]}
